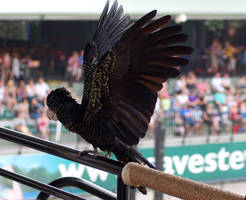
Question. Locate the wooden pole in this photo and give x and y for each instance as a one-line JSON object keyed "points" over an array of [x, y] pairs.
{"points": [[137, 175]]}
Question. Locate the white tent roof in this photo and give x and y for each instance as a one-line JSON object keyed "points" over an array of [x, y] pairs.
{"points": [[91, 9]]}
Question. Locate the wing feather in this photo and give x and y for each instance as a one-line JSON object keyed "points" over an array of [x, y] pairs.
{"points": [[111, 25], [129, 67], [145, 58]]}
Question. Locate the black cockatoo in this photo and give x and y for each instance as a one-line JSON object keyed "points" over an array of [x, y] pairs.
{"points": [[125, 65]]}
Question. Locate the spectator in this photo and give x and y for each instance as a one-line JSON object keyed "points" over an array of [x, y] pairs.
{"points": [[216, 83], [6, 67], [61, 62], [165, 101], [179, 125], [201, 101], [226, 83], [196, 117], [35, 109], [236, 119], [241, 84], [31, 90], [186, 115], [23, 109], [215, 53], [42, 89], [193, 98], [21, 92], [219, 98], [242, 64], [183, 97], [25, 65], [203, 86], [211, 118], [73, 67], [239, 96], [230, 100], [175, 106], [230, 52], [20, 124], [16, 66], [224, 115], [43, 124], [191, 81], [81, 61], [81, 57], [180, 84], [10, 95]]}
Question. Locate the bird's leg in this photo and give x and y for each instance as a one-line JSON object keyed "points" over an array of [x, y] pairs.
{"points": [[95, 152]]}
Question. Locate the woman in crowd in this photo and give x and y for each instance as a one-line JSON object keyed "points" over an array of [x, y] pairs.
{"points": [[10, 95], [21, 92], [211, 118], [23, 109], [73, 68], [43, 124], [6, 67], [31, 90]]}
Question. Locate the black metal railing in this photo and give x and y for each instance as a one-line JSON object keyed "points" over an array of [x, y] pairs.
{"points": [[101, 163]]}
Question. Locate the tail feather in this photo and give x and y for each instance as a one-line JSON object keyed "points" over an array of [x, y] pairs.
{"points": [[126, 153], [140, 158]]}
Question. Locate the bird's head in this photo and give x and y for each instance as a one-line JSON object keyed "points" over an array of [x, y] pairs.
{"points": [[57, 100]]}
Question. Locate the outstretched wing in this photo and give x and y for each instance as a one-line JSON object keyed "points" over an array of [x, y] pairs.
{"points": [[126, 66], [111, 25], [146, 56]]}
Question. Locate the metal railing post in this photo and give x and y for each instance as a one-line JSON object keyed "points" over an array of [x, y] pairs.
{"points": [[122, 190]]}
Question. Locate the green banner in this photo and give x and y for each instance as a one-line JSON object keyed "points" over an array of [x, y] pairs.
{"points": [[209, 162]]}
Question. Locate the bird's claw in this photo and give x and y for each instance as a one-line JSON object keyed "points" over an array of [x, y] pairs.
{"points": [[108, 155], [84, 153]]}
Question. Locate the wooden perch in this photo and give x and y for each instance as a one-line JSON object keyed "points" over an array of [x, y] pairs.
{"points": [[137, 175]]}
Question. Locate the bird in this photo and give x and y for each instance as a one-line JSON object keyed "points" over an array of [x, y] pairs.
{"points": [[125, 65]]}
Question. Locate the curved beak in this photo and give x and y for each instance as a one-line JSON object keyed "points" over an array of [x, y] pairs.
{"points": [[52, 115]]}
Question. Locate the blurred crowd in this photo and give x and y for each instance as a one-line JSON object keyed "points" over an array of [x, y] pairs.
{"points": [[206, 97], [22, 102], [195, 102], [212, 97], [220, 57], [22, 99], [25, 63]]}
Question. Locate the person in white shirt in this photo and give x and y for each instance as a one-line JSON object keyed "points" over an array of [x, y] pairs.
{"points": [[217, 83], [16, 66], [183, 97], [181, 83], [42, 89], [31, 90], [227, 84]]}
